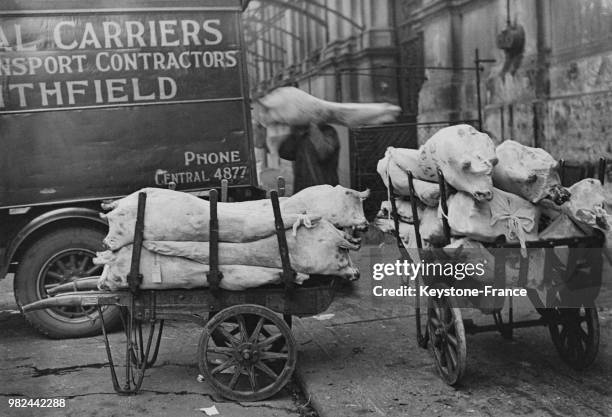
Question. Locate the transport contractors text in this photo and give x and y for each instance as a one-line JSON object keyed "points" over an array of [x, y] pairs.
{"points": [[106, 60]]}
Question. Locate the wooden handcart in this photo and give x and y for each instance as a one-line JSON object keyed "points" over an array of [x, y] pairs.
{"points": [[573, 323], [246, 350]]}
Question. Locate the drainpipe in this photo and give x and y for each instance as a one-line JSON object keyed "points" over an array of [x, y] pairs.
{"points": [[542, 90]]}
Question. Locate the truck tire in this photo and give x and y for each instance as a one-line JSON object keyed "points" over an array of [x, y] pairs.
{"points": [[55, 258]]}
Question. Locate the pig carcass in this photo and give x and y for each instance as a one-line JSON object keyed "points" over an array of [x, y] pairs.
{"points": [[339, 205], [404, 210], [173, 215], [431, 227], [316, 249], [577, 217], [169, 272], [294, 107], [176, 216], [465, 156], [290, 106], [528, 172], [406, 234], [586, 204], [394, 167], [430, 224]]}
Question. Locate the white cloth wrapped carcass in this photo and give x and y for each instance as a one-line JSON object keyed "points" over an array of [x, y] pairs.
{"points": [[528, 172], [577, 217], [173, 215], [295, 107], [505, 215], [431, 227], [170, 272], [394, 167], [318, 249], [384, 222], [586, 204], [465, 156], [403, 207], [177, 216]]}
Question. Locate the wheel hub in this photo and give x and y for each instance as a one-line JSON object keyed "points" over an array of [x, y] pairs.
{"points": [[247, 353]]}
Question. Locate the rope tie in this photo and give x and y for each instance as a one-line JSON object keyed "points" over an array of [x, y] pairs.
{"points": [[302, 220], [517, 225]]}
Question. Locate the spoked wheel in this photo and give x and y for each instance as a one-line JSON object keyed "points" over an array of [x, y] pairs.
{"points": [[246, 363], [447, 338], [575, 334], [57, 258]]}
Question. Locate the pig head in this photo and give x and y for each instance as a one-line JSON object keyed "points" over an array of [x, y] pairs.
{"points": [[322, 248], [587, 204], [339, 205], [465, 156]]}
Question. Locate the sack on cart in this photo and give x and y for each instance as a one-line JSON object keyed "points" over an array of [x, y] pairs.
{"points": [[505, 215]]}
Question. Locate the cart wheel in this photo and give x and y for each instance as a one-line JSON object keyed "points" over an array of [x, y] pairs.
{"points": [[575, 334], [244, 364], [447, 338]]}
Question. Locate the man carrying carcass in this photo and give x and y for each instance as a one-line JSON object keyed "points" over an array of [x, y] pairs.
{"points": [[314, 149]]}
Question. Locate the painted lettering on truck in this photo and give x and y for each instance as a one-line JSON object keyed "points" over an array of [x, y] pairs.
{"points": [[60, 62]]}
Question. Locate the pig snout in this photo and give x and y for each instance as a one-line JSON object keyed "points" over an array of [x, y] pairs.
{"points": [[107, 243], [362, 227], [352, 274], [483, 195]]}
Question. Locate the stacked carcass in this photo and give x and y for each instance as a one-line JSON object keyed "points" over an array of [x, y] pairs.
{"points": [[320, 222], [512, 192]]}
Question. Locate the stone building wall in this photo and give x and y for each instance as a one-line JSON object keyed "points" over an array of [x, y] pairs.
{"points": [[559, 97], [336, 61]]}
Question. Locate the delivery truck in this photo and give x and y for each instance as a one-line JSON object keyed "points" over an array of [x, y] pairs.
{"points": [[98, 99]]}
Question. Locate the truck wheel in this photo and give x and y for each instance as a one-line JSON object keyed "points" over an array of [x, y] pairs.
{"points": [[57, 258]]}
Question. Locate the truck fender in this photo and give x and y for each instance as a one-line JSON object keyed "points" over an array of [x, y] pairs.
{"points": [[43, 220]]}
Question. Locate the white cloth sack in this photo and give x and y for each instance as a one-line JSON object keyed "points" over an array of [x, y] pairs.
{"points": [[170, 272], [528, 172], [506, 214]]}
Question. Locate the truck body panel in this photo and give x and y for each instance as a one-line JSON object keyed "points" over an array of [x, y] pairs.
{"points": [[101, 98]]}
